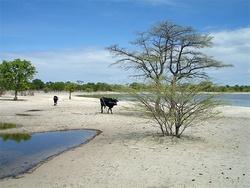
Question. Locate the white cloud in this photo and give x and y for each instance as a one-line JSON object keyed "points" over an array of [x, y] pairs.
{"points": [[87, 64], [236, 42], [232, 47]]}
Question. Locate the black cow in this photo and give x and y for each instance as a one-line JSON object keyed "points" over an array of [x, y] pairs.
{"points": [[109, 102], [55, 98]]}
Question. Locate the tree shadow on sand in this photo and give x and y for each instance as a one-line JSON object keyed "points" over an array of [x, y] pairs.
{"points": [[7, 99], [34, 110], [152, 139]]}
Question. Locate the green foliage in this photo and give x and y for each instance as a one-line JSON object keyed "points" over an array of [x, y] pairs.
{"points": [[37, 84], [71, 87], [227, 88], [58, 86], [138, 86], [16, 75], [89, 87], [101, 86]]}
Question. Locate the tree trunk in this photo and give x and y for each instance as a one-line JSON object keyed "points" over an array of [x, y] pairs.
{"points": [[162, 130], [15, 98], [69, 94], [177, 127]]}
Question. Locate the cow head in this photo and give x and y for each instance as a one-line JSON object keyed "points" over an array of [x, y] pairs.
{"points": [[114, 101]]}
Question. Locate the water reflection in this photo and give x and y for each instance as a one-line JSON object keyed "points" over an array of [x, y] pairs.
{"points": [[21, 152], [7, 126], [16, 137]]}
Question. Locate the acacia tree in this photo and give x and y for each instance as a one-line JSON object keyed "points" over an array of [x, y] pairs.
{"points": [[170, 57], [16, 75]]}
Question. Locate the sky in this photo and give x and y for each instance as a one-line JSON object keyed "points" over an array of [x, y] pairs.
{"points": [[66, 40]]}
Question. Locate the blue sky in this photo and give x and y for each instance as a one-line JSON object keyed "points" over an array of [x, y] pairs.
{"points": [[66, 39]]}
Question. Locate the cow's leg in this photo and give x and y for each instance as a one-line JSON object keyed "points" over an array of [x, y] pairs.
{"points": [[101, 109], [111, 110]]}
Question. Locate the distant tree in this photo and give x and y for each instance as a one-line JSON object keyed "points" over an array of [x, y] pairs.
{"points": [[237, 88], [79, 84], [89, 87], [166, 56], [118, 87], [2, 82], [102, 86], [49, 84], [37, 84], [246, 88], [208, 85], [58, 86], [48, 87], [137, 86], [16, 75], [71, 87]]}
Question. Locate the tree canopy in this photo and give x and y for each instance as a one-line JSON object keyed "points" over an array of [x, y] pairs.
{"points": [[168, 51], [16, 75]]}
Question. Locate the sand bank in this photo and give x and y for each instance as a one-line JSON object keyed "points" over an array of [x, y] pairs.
{"points": [[130, 151]]}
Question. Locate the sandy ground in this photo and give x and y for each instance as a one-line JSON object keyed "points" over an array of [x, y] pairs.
{"points": [[130, 152]]}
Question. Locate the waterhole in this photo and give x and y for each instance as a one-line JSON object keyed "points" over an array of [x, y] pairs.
{"points": [[22, 152]]}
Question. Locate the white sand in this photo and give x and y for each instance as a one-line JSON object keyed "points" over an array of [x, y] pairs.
{"points": [[129, 152]]}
